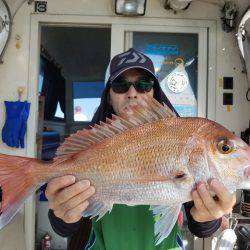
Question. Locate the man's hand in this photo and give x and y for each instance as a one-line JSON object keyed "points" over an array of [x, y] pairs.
{"points": [[206, 208], [68, 198]]}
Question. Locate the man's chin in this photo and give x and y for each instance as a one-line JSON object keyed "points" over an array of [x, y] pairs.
{"points": [[139, 103], [125, 110], [128, 107]]}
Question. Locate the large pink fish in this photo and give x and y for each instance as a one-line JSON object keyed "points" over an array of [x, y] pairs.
{"points": [[147, 156]]}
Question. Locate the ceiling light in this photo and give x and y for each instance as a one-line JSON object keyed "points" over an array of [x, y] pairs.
{"points": [[130, 7]]}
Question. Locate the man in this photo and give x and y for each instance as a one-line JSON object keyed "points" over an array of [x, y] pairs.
{"points": [[129, 77], [79, 115]]}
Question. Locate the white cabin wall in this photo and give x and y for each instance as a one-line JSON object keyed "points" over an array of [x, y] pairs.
{"points": [[15, 69]]}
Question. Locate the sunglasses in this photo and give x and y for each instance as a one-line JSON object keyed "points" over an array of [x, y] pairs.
{"points": [[121, 86]]}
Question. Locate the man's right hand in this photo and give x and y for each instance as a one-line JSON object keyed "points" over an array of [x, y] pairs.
{"points": [[68, 198]]}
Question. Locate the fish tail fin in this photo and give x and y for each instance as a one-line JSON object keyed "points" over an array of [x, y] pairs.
{"points": [[17, 182]]}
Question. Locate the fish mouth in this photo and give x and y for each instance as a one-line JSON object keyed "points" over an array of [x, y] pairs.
{"points": [[247, 171]]}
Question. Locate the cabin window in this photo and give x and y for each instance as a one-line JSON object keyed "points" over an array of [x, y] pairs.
{"points": [[176, 65], [86, 99]]}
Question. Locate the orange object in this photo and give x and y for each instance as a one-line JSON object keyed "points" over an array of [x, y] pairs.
{"points": [[180, 218]]}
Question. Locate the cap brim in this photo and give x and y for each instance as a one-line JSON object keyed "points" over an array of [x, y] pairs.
{"points": [[119, 72]]}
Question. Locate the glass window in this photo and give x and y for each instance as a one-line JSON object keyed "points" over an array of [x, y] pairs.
{"points": [[59, 113], [175, 59], [86, 99]]}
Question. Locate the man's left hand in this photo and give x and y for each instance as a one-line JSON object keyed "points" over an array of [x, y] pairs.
{"points": [[206, 208]]}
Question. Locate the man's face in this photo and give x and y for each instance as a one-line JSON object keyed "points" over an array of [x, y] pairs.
{"points": [[119, 101]]}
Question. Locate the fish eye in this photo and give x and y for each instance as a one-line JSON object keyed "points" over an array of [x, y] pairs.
{"points": [[225, 147]]}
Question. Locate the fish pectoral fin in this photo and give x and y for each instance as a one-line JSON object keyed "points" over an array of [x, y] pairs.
{"points": [[166, 218], [97, 208]]}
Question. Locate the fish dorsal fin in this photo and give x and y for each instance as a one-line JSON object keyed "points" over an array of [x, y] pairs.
{"points": [[149, 111]]}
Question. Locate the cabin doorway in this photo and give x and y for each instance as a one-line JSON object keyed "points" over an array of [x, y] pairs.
{"points": [[164, 40], [72, 67]]}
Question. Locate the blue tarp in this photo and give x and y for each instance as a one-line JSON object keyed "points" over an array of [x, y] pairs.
{"points": [[87, 89]]}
